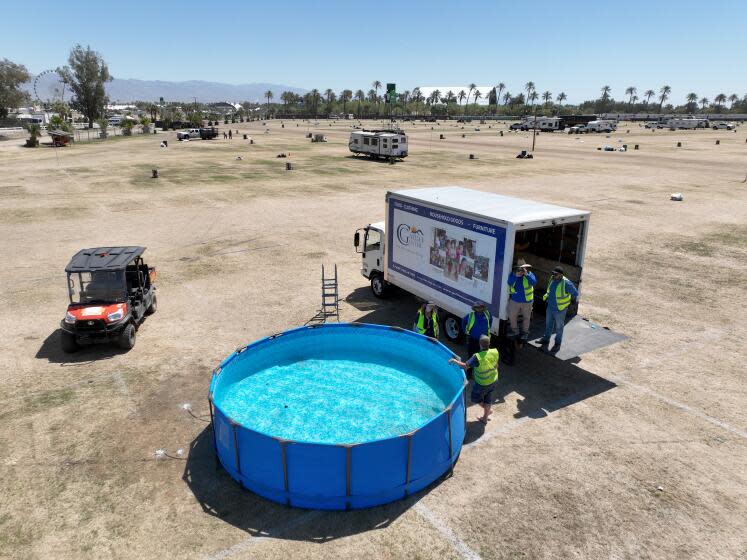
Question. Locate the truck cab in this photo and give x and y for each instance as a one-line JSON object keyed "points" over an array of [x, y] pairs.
{"points": [[369, 242]]}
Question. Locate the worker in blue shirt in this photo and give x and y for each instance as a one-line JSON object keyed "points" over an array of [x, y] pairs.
{"points": [[521, 284], [560, 290], [475, 324]]}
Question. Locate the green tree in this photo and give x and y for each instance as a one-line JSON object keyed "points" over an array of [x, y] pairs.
{"points": [[498, 90], [460, 96], [692, 99], [376, 85], [648, 94], [720, 99], [733, 98], [664, 95], [471, 87], [12, 75], [86, 75], [561, 97], [630, 91], [34, 132], [529, 88], [477, 95], [360, 97], [506, 97], [547, 96], [345, 96], [703, 102], [269, 96], [606, 90]]}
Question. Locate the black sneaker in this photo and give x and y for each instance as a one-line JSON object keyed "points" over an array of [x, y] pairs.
{"points": [[555, 348], [543, 341]]}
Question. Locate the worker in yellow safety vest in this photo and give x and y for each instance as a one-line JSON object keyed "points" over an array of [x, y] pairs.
{"points": [[521, 284], [484, 366], [426, 321], [558, 296], [476, 324]]}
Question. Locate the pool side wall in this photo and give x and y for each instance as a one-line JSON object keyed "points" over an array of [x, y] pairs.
{"points": [[339, 477]]}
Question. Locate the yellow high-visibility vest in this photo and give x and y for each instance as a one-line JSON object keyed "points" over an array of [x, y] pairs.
{"points": [[562, 297], [486, 371], [471, 321], [528, 289], [420, 324]]}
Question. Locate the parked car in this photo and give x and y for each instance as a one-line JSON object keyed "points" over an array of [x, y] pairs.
{"points": [[578, 129], [193, 133], [723, 126], [516, 126], [652, 124]]}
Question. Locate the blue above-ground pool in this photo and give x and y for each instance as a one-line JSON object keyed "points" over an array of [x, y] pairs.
{"points": [[338, 416]]}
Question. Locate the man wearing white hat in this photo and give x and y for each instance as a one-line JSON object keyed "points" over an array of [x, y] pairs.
{"points": [[521, 284]]}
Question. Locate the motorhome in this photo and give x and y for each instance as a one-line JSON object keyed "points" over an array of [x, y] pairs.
{"points": [[387, 144], [601, 126], [545, 124], [688, 123]]}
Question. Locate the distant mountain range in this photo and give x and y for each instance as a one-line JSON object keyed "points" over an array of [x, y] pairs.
{"points": [[122, 91]]}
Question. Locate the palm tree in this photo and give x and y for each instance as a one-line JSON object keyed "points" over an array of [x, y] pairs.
{"points": [[460, 96], [506, 97], [547, 96], [533, 97], [360, 97], [648, 94], [435, 96], [477, 95], [372, 97], [405, 99], [417, 97], [692, 99], [329, 94], [471, 87], [315, 100], [733, 98], [268, 95], [703, 102], [376, 85], [561, 97], [498, 89], [345, 96], [630, 91], [720, 99], [529, 88], [450, 97], [664, 95], [605, 95]]}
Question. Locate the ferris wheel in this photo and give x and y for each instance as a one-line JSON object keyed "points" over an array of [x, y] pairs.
{"points": [[49, 87]]}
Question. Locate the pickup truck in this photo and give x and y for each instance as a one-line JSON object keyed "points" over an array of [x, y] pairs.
{"points": [[202, 133]]}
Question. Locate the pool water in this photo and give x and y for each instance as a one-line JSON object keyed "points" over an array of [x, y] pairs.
{"points": [[336, 400]]}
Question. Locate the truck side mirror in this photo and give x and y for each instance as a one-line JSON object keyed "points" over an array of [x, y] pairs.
{"points": [[357, 239]]}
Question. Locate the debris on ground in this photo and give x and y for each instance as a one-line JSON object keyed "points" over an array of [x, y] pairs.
{"points": [[676, 196]]}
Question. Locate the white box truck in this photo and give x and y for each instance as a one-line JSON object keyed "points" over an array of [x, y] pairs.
{"points": [[455, 246]]}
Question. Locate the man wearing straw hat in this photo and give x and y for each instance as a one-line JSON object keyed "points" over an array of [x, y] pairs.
{"points": [[521, 284]]}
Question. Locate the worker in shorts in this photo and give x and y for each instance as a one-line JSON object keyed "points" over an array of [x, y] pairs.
{"points": [[484, 366]]}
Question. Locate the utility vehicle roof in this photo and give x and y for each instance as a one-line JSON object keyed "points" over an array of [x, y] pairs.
{"points": [[507, 209], [103, 258]]}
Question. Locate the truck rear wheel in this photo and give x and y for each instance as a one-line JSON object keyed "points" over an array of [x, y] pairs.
{"points": [[453, 328], [68, 343], [378, 286], [126, 338], [153, 306]]}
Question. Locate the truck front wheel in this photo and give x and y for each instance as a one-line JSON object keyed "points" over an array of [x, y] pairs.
{"points": [[378, 286], [452, 328], [126, 338], [68, 343]]}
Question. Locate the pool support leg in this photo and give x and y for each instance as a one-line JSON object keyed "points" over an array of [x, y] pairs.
{"points": [[285, 472], [348, 453], [409, 460], [451, 462], [212, 425], [236, 448]]}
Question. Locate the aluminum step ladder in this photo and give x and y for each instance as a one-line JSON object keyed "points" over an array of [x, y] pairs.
{"points": [[330, 298]]}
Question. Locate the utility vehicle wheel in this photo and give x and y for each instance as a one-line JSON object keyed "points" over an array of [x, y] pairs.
{"points": [[378, 286], [715, 128], [153, 307], [69, 345], [453, 328], [127, 337]]}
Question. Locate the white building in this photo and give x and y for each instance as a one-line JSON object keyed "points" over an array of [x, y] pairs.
{"points": [[426, 91]]}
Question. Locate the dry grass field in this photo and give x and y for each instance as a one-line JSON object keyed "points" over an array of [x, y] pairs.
{"points": [[637, 450]]}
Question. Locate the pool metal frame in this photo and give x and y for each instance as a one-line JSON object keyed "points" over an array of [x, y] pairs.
{"points": [[454, 447]]}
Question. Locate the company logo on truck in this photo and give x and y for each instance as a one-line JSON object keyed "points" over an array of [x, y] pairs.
{"points": [[410, 235]]}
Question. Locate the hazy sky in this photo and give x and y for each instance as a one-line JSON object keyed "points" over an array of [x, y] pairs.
{"points": [[575, 47]]}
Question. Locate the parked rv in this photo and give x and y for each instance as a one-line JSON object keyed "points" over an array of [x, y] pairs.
{"points": [[455, 246], [601, 126], [387, 144], [688, 123]]}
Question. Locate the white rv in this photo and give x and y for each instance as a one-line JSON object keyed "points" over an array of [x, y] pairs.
{"points": [[688, 123], [379, 143], [601, 126]]}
